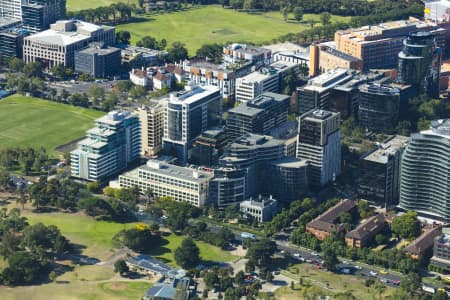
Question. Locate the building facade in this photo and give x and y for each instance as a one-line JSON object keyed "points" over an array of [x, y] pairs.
{"points": [[259, 115], [11, 9], [318, 91], [110, 147], [98, 61], [151, 119], [11, 42], [262, 209], [324, 58], [227, 187], [419, 63], [378, 180], [441, 253], [37, 15], [319, 142], [424, 172], [365, 232], [57, 45], [379, 107], [187, 115], [208, 147], [166, 180]]}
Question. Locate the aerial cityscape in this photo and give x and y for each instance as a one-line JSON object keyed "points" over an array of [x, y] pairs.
{"points": [[225, 149]]}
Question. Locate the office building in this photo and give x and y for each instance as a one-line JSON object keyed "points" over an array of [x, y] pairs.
{"points": [[203, 72], [437, 11], [287, 179], [421, 245], [440, 261], [424, 172], [251, 153], [267, 79], [378, 179], [379, 107], [345, 97], [324, 58], [318, 91], [227, 187], [262, 209], [11, 9], [166, 180], [151, 118], [328, 223], [319, 142], [57, 45], [188, 114], [377, 46], [37, 15], [242, 53], [365, 232], [110, 147], [98, 60], [259, 115], [208, 147], [288, 132], [419, 63], [11, 42]]}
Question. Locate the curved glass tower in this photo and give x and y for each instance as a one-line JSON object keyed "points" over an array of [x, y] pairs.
{"points": [[425, 172], [419, 63]]}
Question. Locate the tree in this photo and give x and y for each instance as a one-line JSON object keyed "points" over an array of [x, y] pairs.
{"points": [[411, 282], [211, 51], [249, 4], [330, 259], [381, 239], [440, 295], [210, 278], [96, 92], [16, 64], [406, 226], [177, 52], [123, 37], [364, 209], [137, 92], [298, 13], [33, 69], [325, 18], [260, 252], [188, 254], [121, 267]]}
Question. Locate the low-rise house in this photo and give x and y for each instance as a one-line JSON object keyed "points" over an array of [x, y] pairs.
{"points": [[327, 223], [263, 209], [424, 242], [366, 231], [162, 79], [169, 289], [149, 266], [141, 77]]}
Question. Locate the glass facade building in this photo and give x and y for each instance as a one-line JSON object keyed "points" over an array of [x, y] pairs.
{"points": [[425, 172], [419, 63]]}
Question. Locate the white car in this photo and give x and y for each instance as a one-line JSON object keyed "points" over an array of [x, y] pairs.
{"points": [[315, 254], [345, 262], [373, 273], [296, 254], [358, 267]]}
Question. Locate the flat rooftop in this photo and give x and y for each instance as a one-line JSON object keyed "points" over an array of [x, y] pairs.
{"points": [[8, 22], [99, 50], [329, 80], [286, 47], [290, 162], [252, 141], [114, 117], [386, 148], [196, 93], [258, 104]]}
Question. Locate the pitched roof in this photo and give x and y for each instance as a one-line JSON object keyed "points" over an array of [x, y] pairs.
{"points": [[161, 77], [424, 241], [326, 220], [367, 228]]}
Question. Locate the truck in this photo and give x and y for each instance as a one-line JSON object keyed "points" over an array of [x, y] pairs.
{"points": [[246, 235]]}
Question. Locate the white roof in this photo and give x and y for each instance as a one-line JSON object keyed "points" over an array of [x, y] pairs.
{"points": [[54, 37]]}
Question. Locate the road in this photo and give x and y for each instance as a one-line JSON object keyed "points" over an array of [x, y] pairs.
{"points": [[309, 256]]}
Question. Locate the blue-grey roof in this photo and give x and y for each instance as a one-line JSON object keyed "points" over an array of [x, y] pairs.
{"points": [[167, 290], [154, 265]]}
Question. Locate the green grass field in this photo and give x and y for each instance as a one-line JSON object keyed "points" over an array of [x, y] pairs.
{"points": [[97, 282], [27, 121], [213, 24], [73, 5]]}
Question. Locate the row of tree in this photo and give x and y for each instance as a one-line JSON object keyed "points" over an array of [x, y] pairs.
{"points": [[117, 13], [27, 160]]}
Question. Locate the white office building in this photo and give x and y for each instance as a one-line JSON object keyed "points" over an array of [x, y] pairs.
{"points": [[108, 148], [166, 180], [151, 118], [11, 9], [57, 45]]}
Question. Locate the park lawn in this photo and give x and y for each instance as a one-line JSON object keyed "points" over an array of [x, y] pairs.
{"points": [[337, 283], [306, 18], [209, 24], [27, 121], [78, 290], [75, 5], [96, 236], [166, 250]]}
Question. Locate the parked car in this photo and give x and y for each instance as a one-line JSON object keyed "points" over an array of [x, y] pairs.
{"points": [[373, 273]]}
